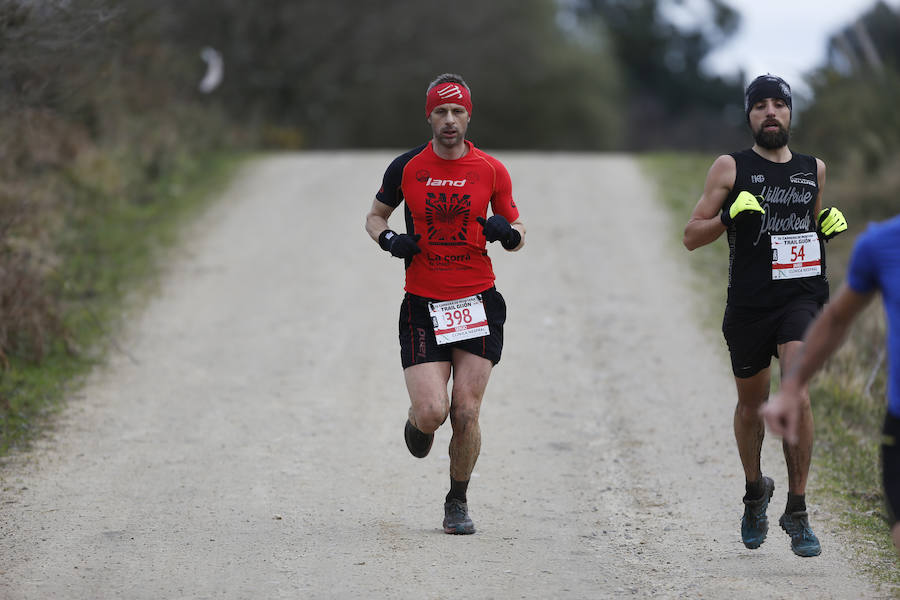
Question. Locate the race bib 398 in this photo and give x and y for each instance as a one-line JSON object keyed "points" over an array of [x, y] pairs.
{"points": [[456, 320]]}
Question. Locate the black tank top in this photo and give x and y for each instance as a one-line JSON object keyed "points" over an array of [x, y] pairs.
{"points": [[789, 191]]}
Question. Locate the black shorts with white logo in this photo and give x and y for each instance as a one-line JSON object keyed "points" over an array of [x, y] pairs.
{"points": [[890, 465], [753, 334], [417, 341]]}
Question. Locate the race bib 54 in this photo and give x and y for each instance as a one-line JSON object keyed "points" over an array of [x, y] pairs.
{"points": [[796, 255]]}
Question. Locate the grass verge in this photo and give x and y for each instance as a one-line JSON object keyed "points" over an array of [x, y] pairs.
{"points": [[848, 396], [111, 244]]}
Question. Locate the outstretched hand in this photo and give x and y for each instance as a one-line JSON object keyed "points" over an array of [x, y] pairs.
{"points": [[782, 414]]}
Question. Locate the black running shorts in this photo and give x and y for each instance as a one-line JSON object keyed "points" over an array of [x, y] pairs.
{"points": [[890, 466], [753, 334], [417, 341]]}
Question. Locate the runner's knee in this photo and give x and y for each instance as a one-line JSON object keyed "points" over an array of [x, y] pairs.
{"points": [[752, 394], [430, 416], [748, 410]]}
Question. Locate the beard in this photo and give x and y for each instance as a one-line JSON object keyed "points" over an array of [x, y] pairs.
{"points": [[772, 140]]}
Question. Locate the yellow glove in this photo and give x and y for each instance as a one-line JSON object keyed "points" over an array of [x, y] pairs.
{"points": [[745, 203], [831, 223]]}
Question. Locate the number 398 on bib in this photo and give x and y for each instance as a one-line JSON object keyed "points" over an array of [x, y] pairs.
{"points": [[456, 320]]}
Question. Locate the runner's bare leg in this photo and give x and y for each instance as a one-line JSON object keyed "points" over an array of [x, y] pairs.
{"points": [[470, 379], [749, 428], [798, 456], [427, 387]]}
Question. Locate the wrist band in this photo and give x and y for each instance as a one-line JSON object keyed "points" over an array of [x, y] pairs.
{"points": [[384, 240], [725, 218]]}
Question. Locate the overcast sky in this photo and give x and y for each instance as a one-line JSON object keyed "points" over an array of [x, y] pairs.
{"points": [[784, 37]]}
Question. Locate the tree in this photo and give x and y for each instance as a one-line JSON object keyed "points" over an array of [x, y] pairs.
{"points": [[870, 43], [853, 120], [854, 117], [673, 102], [350, 74]]}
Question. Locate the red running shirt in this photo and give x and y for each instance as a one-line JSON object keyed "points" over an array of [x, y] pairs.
{"points": [[443, 198]]}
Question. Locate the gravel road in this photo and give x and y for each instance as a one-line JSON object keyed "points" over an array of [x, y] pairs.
{"points": [[247, 441]]}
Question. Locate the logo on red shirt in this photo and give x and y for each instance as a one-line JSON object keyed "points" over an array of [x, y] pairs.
{"points": [[443, 182], [447, 218]]}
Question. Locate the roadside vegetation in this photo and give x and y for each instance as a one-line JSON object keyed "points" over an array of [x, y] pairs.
{"points": [[104, 154], [62, 310]]}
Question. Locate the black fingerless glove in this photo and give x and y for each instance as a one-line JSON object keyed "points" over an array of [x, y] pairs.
{"points": [[401, 245], [497, 228]]}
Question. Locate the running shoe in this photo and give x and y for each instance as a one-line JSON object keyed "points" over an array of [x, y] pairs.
{"points": [[803, 541], [456, 518], [755, 523], [419, 443]]}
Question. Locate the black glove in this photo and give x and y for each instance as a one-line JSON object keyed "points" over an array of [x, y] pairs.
{"points": [[498, 228], [401, 245]]}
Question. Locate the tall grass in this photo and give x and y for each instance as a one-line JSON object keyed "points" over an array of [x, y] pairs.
{"points": [[105, 146], [108, 244], [848, 396]]}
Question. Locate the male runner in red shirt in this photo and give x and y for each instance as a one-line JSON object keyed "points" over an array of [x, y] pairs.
{"points": [[451, 318]]}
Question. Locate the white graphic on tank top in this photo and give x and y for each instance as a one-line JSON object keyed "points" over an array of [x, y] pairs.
{"points": [[803, 179], [793, 222], [779, 195]]}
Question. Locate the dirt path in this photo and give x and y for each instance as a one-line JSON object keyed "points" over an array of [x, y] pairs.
{"points": [[250, 444]]}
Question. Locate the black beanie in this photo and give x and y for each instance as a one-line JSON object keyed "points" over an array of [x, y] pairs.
{"points": [[766, 86]]}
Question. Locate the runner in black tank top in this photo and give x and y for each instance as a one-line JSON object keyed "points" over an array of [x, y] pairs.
{"points": [[789, 192], [768, 199]]}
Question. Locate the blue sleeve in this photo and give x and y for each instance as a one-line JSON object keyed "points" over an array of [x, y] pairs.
{"points": [[862, 273]]}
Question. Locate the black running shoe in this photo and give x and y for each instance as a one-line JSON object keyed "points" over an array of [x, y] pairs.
{"points": [[803, 541], [456, 518], [419, 443], [755, 523]]}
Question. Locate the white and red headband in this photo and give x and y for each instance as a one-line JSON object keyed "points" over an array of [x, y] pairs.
{"points": [[446, 93]]}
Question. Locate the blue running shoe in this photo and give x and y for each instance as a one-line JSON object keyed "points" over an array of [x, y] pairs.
{"points": [[755, 523], [803, 541]]}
